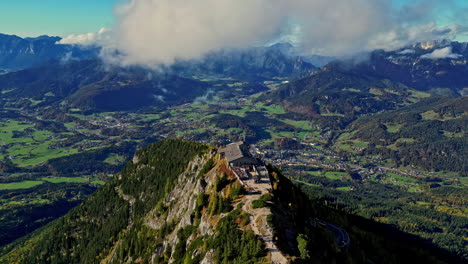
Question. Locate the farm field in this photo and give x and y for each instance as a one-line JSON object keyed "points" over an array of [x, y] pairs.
{"points": [[66, 180], [19, 185]]}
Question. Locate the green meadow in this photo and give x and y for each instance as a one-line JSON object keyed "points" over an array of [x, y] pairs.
{"points": [[66, 180], [19, 185]]}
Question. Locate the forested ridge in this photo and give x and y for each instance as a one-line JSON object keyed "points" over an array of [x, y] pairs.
{"points": [[88, 232], [112, 225], [430, 134]]}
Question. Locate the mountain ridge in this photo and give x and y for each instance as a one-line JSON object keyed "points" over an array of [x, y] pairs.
{"points": [[443, 74], [18, 53], [90, 84]]}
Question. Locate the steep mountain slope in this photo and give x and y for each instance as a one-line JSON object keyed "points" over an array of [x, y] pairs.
{"points": [[430, 134], [177, 202], [19, 53], [90, 84], [335, 96]]}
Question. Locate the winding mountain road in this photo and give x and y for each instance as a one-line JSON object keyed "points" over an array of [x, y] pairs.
{"points": [[341, 236]]}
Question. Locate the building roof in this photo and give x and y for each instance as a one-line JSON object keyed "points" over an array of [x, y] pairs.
{"points": [[235, 151]]}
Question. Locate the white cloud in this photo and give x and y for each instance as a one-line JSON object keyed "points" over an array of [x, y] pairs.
{"points": [[205, 97], [161, 31], [401, 35], [339, 27], [407, 51], [153, 32], [159, 98], [444, 53], [101, 38]]}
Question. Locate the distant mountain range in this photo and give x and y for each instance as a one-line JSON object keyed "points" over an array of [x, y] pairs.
{"points": [[349, 87], [439, 67], [256, 64], [89, 84], [62, 72], [20, 53]]}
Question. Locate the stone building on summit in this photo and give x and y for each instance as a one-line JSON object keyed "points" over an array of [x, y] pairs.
{"points": [[237, 154]]}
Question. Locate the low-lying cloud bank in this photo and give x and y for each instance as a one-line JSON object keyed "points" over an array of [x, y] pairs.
{"points": [[152, 32], [444, 53], [102, 37]]}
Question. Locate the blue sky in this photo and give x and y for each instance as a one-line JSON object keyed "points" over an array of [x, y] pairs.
{"points": [[64, 17], [54, 17], [444, 11]]}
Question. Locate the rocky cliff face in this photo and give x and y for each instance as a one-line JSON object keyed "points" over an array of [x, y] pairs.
{"points": [[180, 204], [209, 176]]}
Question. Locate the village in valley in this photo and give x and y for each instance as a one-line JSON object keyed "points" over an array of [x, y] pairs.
{"points": [[299, 147]]}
